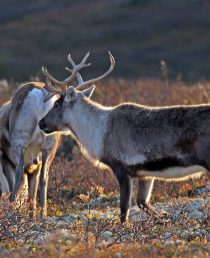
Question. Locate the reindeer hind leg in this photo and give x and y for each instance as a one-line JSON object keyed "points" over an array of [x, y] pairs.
{"points": [[145, 187]]}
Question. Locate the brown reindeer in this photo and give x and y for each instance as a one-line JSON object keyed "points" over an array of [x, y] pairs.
{"points": [[134, 140]]}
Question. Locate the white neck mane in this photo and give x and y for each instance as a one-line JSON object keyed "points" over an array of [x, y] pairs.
{"points": [[89, 123]]}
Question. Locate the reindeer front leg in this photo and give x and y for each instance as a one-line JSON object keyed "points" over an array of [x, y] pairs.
{"points": [[44, 176], [33, 182], [126, 187], [48, 153], [19, 159]]}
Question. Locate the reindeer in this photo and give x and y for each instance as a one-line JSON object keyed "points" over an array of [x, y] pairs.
{"points": [[26, 152], [133, 140]]}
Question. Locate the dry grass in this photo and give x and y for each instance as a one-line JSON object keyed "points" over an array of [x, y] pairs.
{"points": [[71, 178]]}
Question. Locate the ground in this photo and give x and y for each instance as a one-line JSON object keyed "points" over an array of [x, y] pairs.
{"points": [[83, 202]]}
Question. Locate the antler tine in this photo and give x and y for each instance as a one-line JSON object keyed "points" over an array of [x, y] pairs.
{"points": [[85, 58], [74, 71], [78, 75], [51, 90], [76, 67], [71, 60], [92, 81], [82, 62]]}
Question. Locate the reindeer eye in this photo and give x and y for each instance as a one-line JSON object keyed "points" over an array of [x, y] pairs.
{"points": [[57, 105]]}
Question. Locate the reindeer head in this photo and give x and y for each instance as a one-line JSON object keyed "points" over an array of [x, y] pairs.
{"points": [[72, 99]]}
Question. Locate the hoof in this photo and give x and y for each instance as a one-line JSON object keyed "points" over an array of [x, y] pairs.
{"points": [[12, 198], [43, 213], [124, 217], [149, 209]]}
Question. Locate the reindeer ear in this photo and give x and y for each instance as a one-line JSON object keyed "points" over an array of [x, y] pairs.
{"points": [[71, 94], [89, 91]]}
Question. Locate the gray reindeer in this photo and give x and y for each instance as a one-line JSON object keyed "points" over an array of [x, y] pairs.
{"points": [[26, 152], [134, 140]]}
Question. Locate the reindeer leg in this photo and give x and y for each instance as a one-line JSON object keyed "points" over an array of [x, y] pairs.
{"points": [[24, 187], [18, 172], [144, 195], [4, 185], [44, 176], [33, 182], [48, 153], [144, 192], [9, 172], [126, 187]]}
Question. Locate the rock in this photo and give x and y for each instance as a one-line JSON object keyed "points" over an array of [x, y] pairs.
{"points": [[68, 218], [196, 214], [106, 235], [137, 214], [4, 251], [177, 213], [164, 208], [197, 234], [42, 238], [207, 200], [203, 189], [169, 243], [207, 248], [166, 236], [194, 209], [101, 243], [184, 234], [64, 233], [195, 205], [178, 242]]}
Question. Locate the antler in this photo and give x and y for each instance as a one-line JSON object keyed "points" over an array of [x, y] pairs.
{"points": [[78, 67], [92, 81], [51, 90], [74, 71], [78, 75]]}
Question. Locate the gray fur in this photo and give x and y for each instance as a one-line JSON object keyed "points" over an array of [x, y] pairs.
{"points": [[28, 151]]}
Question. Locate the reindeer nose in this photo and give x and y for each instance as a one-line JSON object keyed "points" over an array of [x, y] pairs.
{"points": [[42, 124]]}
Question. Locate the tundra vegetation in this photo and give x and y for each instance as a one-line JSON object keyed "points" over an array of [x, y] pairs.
{"points": [[83, 201]]}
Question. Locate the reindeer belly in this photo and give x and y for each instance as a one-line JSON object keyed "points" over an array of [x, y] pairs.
{"points": [[174, 173], [171, 168]]}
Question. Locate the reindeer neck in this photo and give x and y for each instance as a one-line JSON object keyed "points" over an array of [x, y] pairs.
{"points": [[90, 126]]}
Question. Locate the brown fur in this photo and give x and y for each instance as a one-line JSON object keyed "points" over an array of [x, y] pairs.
{"points": [[135, 140]]}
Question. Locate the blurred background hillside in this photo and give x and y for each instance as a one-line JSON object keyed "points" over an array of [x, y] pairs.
{"points": [[139, 33]]}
